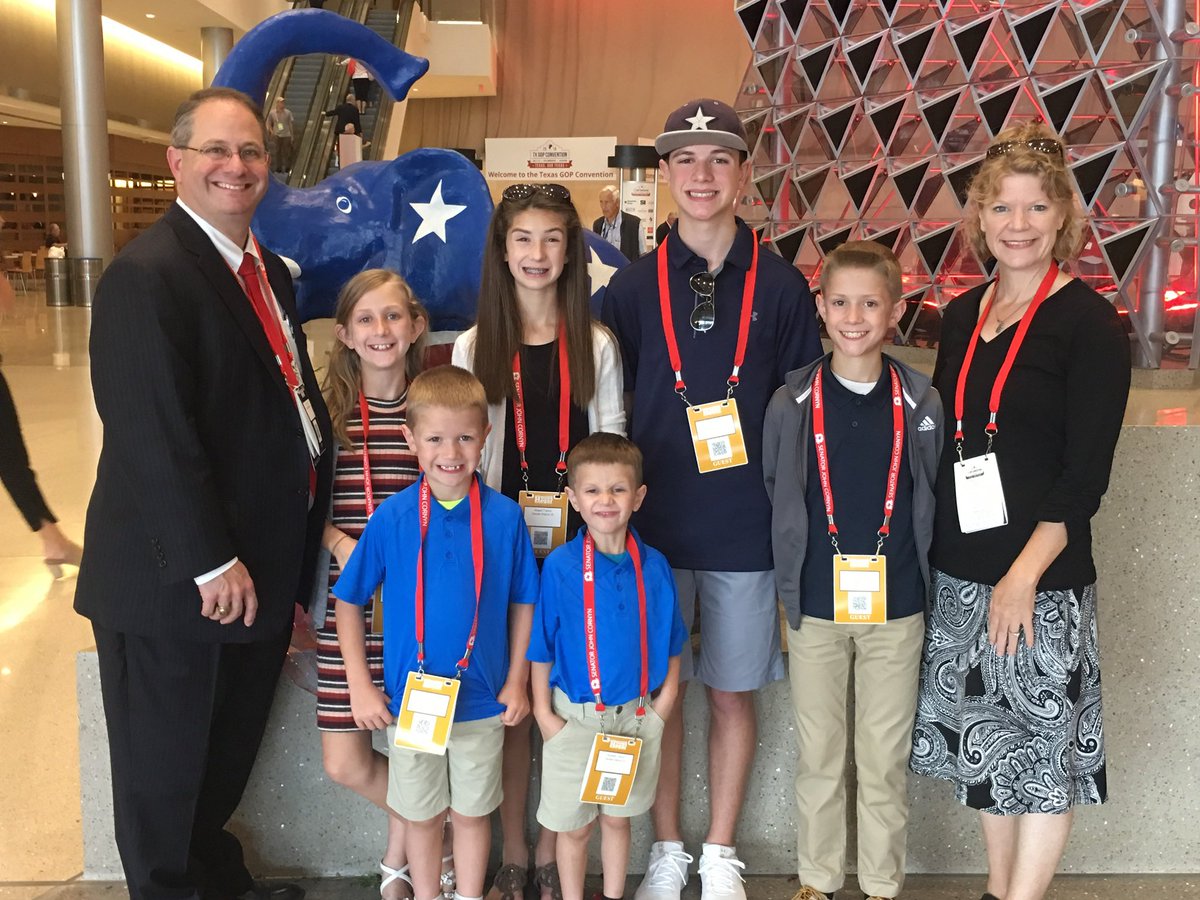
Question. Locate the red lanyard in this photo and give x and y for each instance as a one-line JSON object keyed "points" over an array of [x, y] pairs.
{"points": [[664, 305], [889, 500], [264, 310], [589, 620], [368, 492], [424, 505], [960, 389], [564, 408]]}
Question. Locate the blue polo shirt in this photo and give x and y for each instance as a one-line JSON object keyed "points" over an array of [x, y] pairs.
{"points": [[387, 554], [720, 521], [558, 636], [858, 435]]}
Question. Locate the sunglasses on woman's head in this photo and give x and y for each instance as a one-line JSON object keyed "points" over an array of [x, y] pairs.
{"points": [[525, 191], [1049, 146]]}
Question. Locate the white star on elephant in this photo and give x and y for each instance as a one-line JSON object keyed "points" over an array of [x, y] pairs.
{"points": [[434, 215], [599, 272], [700, 120]]}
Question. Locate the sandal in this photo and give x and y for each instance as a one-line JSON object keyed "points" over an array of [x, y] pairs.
{"points": [[390, 875], [448, 882], [545, 878], [510, 883]]}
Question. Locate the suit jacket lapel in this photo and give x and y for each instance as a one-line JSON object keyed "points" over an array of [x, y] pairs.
{"points": [[224, 283]]}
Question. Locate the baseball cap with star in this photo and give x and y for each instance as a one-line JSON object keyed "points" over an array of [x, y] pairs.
{"points": [[702, 122]]}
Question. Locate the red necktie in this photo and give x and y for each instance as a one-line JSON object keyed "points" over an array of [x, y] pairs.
{"points": [[275, 337]]}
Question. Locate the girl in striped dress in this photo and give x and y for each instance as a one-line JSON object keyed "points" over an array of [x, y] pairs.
{"points": [[380, 329]]}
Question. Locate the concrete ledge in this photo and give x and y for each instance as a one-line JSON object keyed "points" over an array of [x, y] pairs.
{"points": [[296, 822]]}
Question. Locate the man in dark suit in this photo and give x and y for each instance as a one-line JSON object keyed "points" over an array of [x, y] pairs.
{"points": [[208, 508], [621, 229]]}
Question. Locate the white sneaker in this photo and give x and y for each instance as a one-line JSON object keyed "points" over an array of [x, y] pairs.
{"points": [[666, 873], [719, 876]]}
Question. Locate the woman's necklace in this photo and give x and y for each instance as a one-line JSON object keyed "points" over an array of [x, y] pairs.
{"points": [[1001, 321]]}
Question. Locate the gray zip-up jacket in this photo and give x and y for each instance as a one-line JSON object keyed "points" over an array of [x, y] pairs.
{"points": [[787, 433]]}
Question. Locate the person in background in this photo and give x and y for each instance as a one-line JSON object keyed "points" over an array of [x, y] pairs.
{"points": [[660, 233], [54, 235], [281, 125], [1033, 371], [345, 113], [621, 229]]}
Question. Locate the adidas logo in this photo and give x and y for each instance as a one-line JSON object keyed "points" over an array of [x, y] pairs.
{"points": [[927, 424]]}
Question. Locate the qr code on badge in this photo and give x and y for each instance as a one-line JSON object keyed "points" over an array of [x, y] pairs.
{"points": [[859, 604], [608, 785], [542, 538], [422, 725], [718, 448]]}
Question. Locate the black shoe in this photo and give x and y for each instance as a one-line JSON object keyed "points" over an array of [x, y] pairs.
{"points": [[987, 896], [273, 890]]}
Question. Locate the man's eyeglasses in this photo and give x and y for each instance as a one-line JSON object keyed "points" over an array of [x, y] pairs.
{"points": [[704, 313], [219, 153], [525, 191]]}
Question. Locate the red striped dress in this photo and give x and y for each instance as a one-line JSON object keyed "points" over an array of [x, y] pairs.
{"points": [[393, 468]]}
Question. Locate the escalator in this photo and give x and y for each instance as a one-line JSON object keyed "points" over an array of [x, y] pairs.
{"points": [[314, 83]]}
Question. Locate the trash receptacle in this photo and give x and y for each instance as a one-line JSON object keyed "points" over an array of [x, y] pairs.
{"points": [[58, 287], [85, 275]]}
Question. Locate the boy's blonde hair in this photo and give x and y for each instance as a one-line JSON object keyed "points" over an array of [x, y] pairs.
{"points": [[445, 387], [605, 449], [869, 255]]}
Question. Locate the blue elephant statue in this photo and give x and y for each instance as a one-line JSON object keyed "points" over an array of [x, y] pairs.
{"points": [[423, 214]]}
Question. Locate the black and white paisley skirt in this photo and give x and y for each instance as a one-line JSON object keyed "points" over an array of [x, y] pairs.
{"points": [[1016, 734]]}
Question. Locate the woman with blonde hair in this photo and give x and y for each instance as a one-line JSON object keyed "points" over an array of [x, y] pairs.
{"points": [[1033, 371]]}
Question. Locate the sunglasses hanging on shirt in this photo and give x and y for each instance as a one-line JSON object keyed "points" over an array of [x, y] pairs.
{"points": [[704, 313]]}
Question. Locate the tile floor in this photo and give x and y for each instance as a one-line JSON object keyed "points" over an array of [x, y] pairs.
{"points": [[45, 361]]}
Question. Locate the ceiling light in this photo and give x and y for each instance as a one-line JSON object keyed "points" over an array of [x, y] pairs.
{"points": [[150, 15]]}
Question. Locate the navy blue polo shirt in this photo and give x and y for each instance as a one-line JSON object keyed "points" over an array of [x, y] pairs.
{"points": [[558, 636], [387, 554], [720, 521], [858, 432]]}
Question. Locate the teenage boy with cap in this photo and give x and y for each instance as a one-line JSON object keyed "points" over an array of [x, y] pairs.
{"points": [[709, 325]]}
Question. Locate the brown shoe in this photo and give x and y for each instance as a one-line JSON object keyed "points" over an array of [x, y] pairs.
{"points": [[808, 892]]}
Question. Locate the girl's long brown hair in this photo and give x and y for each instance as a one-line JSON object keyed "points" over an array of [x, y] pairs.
{"points": [[498, 320], [343, 379]]}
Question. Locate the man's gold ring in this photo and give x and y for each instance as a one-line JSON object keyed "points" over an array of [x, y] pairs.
{"points": [[1014, 632], [222, 610]]}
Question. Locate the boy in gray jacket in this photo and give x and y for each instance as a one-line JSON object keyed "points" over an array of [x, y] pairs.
{"points": [[850, 452]]}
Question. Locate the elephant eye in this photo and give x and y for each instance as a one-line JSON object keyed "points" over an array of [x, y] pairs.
{"points": [[344, 205]]}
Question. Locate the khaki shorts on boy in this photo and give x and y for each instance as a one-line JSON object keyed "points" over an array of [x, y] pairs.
{"points": [[565, 758], [466, 779]]}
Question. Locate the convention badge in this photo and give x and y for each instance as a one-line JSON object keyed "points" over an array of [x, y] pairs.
{"points": [[377, 611], [426, 712], [717, 435], [546, 518], [979, 494], [612, 766], [859, 589]]}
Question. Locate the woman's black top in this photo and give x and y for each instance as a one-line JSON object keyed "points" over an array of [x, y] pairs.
{"points": [[1059, 419], [539, 383]]}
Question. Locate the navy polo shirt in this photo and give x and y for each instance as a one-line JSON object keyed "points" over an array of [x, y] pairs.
{"points": [[558, 636], [387, 554], [720, 521], [858, 433]]}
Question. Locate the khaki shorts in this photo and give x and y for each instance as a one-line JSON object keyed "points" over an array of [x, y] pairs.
{"points": [[466, 779], [565, 758]]}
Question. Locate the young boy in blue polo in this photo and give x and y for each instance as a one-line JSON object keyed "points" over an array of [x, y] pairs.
{"points": [[605, 648], [458, 577], [850, 450]]}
